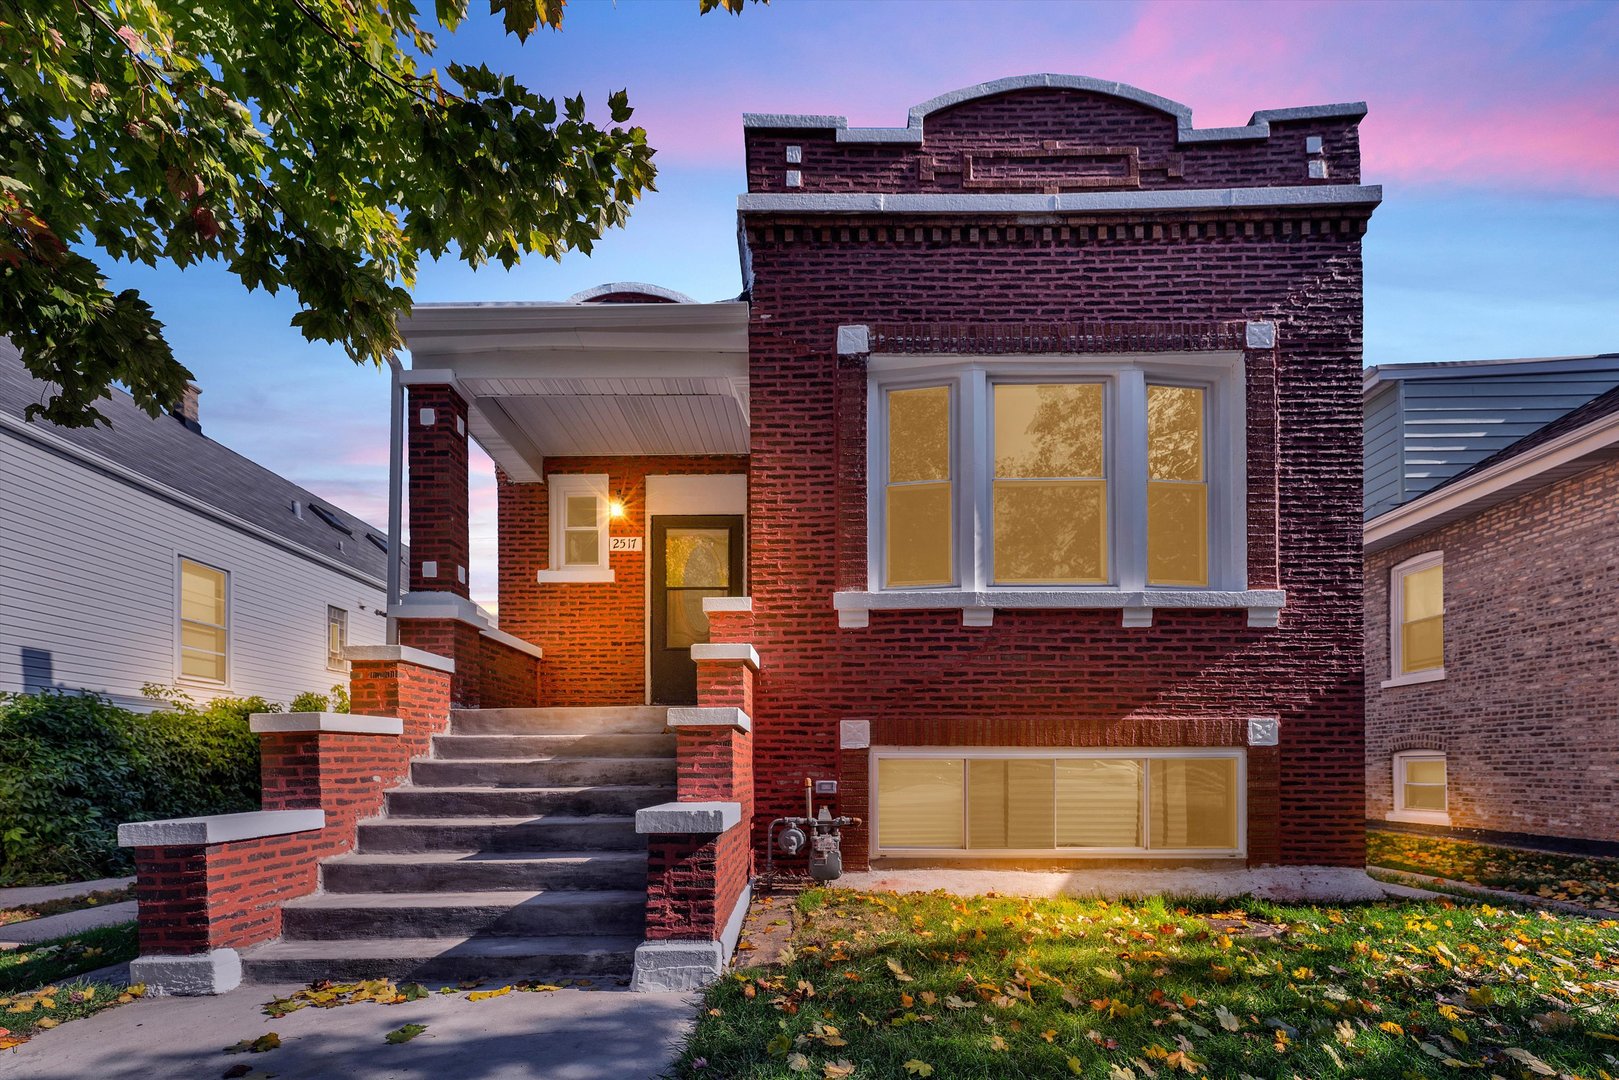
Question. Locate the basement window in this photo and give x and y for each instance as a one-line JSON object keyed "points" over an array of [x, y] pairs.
{"points": [[579, 513], [1421, 788], [1015, 803]]}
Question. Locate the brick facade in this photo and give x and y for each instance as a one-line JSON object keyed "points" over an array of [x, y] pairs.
{"points": [[1526, 712], [439, 496], [1061, 678], [593, 633]]}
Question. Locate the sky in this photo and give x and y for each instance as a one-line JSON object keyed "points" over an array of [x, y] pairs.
{"points": [[1493, 128]]}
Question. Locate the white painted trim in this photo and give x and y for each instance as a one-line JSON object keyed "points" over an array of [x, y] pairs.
{"points": [[714, 604], [1258, 126], [688, 817], [1077, 597], [402, 654], [218, 828], [326, 723], [576, 574], [1312, 195], [629, 287], [1475, 492], [560, 487], [1396, 609], [721, 716], [1239, 754], [58, 445], [732, 651]]}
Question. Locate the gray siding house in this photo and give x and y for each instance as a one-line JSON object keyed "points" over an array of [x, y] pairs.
{"points": [[148, 553], [1426, 423]]}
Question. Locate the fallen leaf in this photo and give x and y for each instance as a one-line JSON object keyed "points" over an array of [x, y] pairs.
{"points": [[836, 1070], [1227, 1018], [406, 1033], [798, 1063], [918, 1067], [1529, 1061], [485, 995]]}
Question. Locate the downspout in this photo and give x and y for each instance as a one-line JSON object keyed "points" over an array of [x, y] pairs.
{"points": [[396, 471]]}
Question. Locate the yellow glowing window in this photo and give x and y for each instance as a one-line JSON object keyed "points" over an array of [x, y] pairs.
{"points": [[1154, 800], [919, 498], [1050, 486], [581, 532], [1422, 783], [204, 630], [1422, 619], [1177, 487]]}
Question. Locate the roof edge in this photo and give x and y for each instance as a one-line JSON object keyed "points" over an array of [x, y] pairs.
{"points": [[1258, 126]]}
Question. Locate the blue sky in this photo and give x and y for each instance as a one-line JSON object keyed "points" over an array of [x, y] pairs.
{"points": [[1494, 128]]}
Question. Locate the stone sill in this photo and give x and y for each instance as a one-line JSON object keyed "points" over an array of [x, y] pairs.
{"points": [[219, 828], [1137, 605], [688, 817], [1414, 679], [325, 723], [712, 717], [740, 652], [399, 654], [590, 575], [712, 604]]}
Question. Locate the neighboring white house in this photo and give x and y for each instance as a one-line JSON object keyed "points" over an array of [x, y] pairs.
{"points": [[148, 553]]}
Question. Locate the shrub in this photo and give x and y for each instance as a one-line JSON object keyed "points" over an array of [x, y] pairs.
{"points": [[75, 767], [310, 701]]}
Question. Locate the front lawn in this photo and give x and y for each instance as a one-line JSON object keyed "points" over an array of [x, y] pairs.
{"points": [[935, 985], [38, 988], [1589, 881]]}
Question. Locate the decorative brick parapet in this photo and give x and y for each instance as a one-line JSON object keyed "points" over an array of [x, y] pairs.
{"points": [[403, 682], [338, 763]]}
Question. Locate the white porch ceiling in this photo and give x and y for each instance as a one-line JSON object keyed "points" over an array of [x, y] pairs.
{"points": [[562, 380]]}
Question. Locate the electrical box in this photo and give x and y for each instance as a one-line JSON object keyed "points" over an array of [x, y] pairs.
{"points": [[826, 787]]}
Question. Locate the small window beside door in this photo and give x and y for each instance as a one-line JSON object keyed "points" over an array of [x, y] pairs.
{"points": [[1417, 620], [204, 623], [579, 508]]}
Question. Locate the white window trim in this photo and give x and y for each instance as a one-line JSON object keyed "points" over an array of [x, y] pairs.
{"points": [[559, 487], [180, 677], [1399, 812], [1125, 379], [1396, 605], [1133, 752], [337, 664]]}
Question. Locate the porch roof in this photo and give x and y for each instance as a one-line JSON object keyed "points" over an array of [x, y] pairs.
{"points": [[589, 379]]}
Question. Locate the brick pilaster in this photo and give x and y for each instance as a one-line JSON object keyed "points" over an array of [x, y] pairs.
{"points": [[439, 514]]}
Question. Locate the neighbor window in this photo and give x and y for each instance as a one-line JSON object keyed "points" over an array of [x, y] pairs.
{"points": [[1417, 619], [337, 638], [579, 507], [204, 622], [1040, 473], [1420, 791], [1096, 802]]}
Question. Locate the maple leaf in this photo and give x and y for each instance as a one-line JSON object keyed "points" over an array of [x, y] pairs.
{"points": [[918, 1067], [405, 1034]]}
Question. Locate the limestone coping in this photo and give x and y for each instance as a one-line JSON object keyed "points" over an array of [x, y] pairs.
{"points": [[723, 716], [713, 604], [218, 828], [688, 817], [326, 723], [402, 654], [737, 651]]}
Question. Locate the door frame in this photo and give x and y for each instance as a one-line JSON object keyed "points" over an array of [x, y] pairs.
{"points": [[657, 529]]}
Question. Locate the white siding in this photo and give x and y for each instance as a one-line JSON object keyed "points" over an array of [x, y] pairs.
{"points": [[88, 585]]}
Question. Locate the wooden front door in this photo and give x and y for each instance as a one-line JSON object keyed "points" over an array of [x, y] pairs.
{"points": [[692, 558]]}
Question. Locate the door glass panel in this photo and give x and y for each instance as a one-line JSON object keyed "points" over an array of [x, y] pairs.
{"points": [[699, 558], [919, 802], [1194, 803], [1099, 803], [685, 622], [1009, 803]]}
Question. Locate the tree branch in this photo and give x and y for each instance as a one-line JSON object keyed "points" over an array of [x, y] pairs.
{"points": [[315, 18]]}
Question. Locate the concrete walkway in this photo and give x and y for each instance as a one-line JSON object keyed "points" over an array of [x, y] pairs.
{"points": [[562, 1035], [38, 894], [69, 922]]}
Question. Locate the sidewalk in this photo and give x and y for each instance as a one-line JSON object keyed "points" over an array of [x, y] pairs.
{"points": [[561, 1035]]}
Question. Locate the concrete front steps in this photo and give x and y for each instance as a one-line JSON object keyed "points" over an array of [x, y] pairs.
{"points": [[511, 853]]}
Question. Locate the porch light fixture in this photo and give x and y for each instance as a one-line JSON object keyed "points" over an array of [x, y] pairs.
{"points": [[615, 509]]}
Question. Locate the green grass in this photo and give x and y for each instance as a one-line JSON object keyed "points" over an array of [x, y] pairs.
{"points": [[1592, 882], [891, 986], [65, 904], [39, 988]]}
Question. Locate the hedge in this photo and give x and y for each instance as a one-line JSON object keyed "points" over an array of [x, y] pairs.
{"points": [[73, 767]]}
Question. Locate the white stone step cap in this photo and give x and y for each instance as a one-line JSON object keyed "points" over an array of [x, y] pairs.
{"points": [[710, 716], [688, 817], [333, 723], [218, 828]]}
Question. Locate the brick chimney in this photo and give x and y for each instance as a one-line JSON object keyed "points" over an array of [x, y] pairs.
{"points": [[185, 410]]}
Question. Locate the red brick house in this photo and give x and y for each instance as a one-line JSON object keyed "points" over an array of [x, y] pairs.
{"points": [[1492, 605], [1015, 502]]}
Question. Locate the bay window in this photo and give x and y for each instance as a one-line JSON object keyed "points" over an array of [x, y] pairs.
{"points": [[1024, 475]]}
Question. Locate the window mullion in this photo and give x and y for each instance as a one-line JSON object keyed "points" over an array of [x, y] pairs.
{"points": [[1128, 482], [977, 478]]}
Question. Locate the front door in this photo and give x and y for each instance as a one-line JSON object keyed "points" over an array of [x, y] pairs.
{"points": [[692, 558]]}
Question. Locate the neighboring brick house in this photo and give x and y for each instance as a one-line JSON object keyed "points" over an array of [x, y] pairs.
{"points": [[1100, 368], [1492, 610]]}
